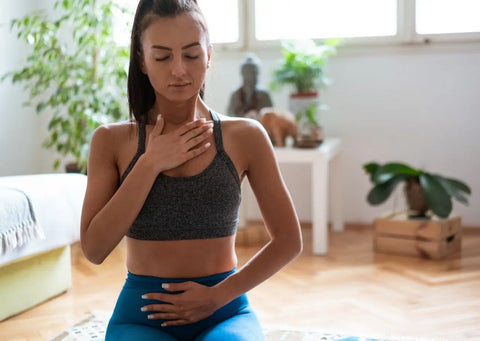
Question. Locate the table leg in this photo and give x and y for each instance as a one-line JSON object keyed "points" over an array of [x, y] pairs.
{"points": [[320, 206], [336, 194]]}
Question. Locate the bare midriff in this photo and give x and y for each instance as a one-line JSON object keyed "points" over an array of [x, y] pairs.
{"points": [[181, 258]]}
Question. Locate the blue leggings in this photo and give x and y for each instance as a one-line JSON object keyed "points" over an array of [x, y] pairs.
{"points": [[234, 321]]}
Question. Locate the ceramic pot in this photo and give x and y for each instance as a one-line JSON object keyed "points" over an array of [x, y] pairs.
{"points": [[306, 108], [415, 199]]}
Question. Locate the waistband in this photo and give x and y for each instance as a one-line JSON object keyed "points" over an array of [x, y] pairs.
{"points": [[147, 281]]}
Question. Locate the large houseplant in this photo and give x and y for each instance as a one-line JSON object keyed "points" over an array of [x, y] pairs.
{"points": [[75, 72], [302, 68], [425, 192]]}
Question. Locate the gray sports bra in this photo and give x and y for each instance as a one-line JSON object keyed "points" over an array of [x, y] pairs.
{"points": [[193, 207]]}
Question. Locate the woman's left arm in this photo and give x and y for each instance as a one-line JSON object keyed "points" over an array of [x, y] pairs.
{"points": [[278, 214]]}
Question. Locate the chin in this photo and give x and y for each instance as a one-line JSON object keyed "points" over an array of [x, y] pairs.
{"points": [[181, 96]]}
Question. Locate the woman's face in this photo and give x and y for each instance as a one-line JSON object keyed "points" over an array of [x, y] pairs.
{"points": [[175, 56]]}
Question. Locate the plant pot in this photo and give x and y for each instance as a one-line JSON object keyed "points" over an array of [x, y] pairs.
{"points": [[415, 199], [306, 108], [72, 167]]}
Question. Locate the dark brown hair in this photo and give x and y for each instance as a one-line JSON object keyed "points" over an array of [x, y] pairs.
{"points": [[141, 95]]}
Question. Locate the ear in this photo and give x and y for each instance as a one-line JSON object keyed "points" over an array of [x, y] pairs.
{"points": [[209, 54]]}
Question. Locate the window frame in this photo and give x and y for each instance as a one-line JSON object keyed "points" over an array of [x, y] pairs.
{"points": [[406, 34]]}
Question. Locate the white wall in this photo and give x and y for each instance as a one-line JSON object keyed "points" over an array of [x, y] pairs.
{"points": [[420, 105], [19, 136]]}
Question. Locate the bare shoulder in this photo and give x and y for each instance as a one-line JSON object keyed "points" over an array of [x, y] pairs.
{"points": [[246, 130], [114, 130], [113, 135]]}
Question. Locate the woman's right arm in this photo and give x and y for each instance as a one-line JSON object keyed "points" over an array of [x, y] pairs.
{"points": [[108, 211]]}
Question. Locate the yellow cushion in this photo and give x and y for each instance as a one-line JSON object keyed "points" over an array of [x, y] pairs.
{"points": [[34, 279]]}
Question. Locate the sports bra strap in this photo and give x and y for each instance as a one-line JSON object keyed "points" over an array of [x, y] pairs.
{"points": [[140, 148], [217, 131]]}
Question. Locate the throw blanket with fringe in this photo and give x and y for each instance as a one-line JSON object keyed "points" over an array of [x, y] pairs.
{"points": [[18, 224]]}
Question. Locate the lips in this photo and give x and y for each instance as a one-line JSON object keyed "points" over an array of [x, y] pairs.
{"points": [[179, 84]]}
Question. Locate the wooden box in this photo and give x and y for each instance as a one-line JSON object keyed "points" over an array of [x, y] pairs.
{"points": [[435, 238]]}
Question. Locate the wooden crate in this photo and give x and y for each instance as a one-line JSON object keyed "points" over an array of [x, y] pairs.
{"points": [[435, 238]]}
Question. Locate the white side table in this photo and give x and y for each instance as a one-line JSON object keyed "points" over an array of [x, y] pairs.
{"points": [[324, 166]]}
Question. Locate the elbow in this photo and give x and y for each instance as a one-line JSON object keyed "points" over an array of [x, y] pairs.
{"points": [[297, 247], [292, 246], [296, 244], [92, 256], [91, 252]]}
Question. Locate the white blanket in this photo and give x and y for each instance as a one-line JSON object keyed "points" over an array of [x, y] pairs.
{"points": [[18, 223], [57, 200]]}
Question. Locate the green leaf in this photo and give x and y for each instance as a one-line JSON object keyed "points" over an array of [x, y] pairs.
{"points": [[69, 75], [371, 169], [459, 185], [453, 189], [393, 169], [380, 192], [437, 198]]}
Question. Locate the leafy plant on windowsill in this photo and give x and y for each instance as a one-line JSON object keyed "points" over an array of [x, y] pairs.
{"points": [[424, 191], [303, 65], [75, 72]]}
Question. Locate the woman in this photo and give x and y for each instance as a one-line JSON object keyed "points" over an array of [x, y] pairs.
{"points": [[173, 189]]}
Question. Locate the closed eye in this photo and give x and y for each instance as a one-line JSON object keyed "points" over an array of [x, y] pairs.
{"points": [[191, 57], [162, 59]]}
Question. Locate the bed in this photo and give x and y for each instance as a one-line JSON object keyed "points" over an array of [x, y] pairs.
{"points": [[35, 265]]}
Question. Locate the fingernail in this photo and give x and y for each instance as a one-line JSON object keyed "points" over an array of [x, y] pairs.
{"points": [[144, 296], [143, 309], [150, 317], [159, 117], [163, 324], [165, 285]]}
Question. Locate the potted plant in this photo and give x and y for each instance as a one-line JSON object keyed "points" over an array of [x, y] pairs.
{"points": [[75, 72], [426, 193], [302, 68]]}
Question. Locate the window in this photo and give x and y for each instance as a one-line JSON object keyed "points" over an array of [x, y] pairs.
{"points": [[304, 19], [447, 16], [223, 28], [255, 23], [223, 20]]}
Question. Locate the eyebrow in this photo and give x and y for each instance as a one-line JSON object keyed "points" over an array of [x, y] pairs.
{"points": [[160, 47]]}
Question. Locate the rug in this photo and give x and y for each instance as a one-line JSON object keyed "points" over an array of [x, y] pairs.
{"points": [[92, 328]]}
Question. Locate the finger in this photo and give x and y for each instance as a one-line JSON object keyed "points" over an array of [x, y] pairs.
{"points": [[197, 131], [195, 141], [182, 286], [158, 296], [157, 130], [175, 323], [197, 151], [189, 126], [162, 316], [159, 308]]}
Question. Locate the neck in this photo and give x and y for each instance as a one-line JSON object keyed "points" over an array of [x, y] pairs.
{"points": [[178, 113]]}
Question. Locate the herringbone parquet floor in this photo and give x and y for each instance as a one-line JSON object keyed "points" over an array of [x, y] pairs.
{"points": [[351, 290]]}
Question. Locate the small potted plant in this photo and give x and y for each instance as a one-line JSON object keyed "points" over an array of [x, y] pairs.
{"points": [[76, 72], [427, 194], [302, 68]]}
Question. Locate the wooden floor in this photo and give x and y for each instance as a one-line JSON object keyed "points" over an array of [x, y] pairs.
{"points": [[351, 290]]}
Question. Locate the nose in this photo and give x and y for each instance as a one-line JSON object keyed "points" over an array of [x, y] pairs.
{"points": [[178, 67]]}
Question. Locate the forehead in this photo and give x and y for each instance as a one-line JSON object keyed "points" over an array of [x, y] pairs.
{"points": [[173, 31]]}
